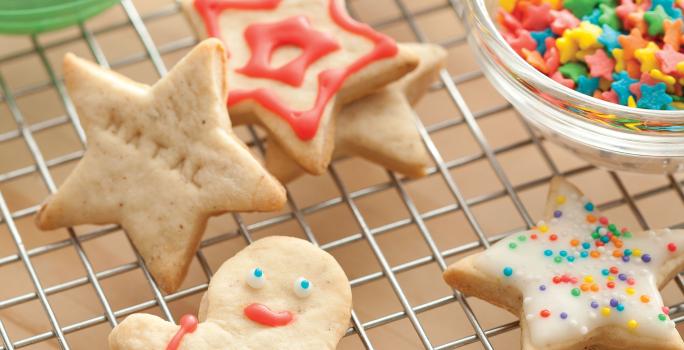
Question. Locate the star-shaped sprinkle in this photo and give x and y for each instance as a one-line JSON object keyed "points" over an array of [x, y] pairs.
{"points": [[563, 20], [655, 19], [540, 37], [587, 85], [551, 56], [630, 43], [521, 40], [654, 97], [573, 70], [609, 38], [536, 17], [558, 77], [657, 75], [619, 59], [580, 274], [362, 126], [610, 96], [668, 59], [625, 8], [669, 7], [647, 57], [673, 33], [535, 59], [580, 8], [621, 83], [160, 160], [600, 65], [609, 17], [507, 21], [593, 17], [567, 48]]}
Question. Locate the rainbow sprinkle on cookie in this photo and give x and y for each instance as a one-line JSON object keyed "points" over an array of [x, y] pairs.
{"points": [[620, 51]]}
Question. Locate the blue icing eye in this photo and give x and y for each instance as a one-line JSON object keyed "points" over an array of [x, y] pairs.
{"points": [[303, 287], [256, 278]]}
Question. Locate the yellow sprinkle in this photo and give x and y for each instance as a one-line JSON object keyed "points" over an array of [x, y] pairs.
{"points": [[555, 4], [611, 278], [543, 228], [680, 67], [619, 61], [678, 105], [560, 199], [588, 279], [632, 324], [508, 5], [630, 290], [631, 102], [605, 311], [647, 57], [636, 252], [567, 48], [660, 76]]}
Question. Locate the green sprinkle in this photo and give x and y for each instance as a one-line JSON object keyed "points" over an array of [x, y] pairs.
{"points": [[609, 17], [612, 228], [576, 292], [512, 245], [580, 8], [655, 19], [574, 70], [558, 259], [595, 235], [522, 238], [627, 234], [662, 317]]}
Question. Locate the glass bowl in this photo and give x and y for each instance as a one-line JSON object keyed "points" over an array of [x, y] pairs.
{"points": [[606, 134], [35, 16]]}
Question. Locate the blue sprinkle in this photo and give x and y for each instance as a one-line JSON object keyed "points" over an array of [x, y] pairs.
{"points": [[625, 258], [563, 315], [669, 7], [586, 245], [507, 271], [589, 206], [646, 258], [258, 272], [594, 304], [593, 18], [622, 277], [613, 302], [542, 287], [605, 239], [609, 39], [627, 252], [654, 97], [540, 38], [584, 253], [605, 272], [557, 214], [587, 86], [305, 284], [621, 83], [563, 253], [620, 307], [548, 252], [571, 258]]}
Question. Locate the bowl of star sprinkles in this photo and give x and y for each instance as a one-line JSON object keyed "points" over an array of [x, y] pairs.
{"points": [[602, 78]]}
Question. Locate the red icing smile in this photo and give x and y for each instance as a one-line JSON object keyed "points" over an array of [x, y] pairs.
{"points": [[261, 314]]}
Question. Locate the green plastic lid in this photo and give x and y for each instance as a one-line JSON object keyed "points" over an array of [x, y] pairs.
{"points": [[35, 16]]}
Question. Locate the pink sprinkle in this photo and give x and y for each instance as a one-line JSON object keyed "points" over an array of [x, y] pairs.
{"points": [[521, 40], [668, 59], [537, 17], [666, 310], [551, 56], [559, 78], [600, 65], [563, 20], [610, 96], [508, 21], [603, 220]]}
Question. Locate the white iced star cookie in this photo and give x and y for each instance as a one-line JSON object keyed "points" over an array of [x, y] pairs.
{"points": [[380, 127], [578, 281], [294, 63], [160, 160], [279, 292]]}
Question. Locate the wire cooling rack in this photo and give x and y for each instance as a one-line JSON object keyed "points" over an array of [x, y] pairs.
{"points": [[509, 178]]}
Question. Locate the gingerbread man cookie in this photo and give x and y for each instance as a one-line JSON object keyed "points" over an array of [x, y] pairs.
{"points": [[380, 127], [294, 63], [160, 160], [578, 280], [279, 292]]}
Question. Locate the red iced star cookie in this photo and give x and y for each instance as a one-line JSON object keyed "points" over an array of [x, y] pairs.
{"points": [[294, 63]]}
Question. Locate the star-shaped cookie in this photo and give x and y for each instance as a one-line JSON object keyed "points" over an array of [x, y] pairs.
{"points": [[160, 160], [294, 63], [278, 293], [577, 280], [380, 127]]}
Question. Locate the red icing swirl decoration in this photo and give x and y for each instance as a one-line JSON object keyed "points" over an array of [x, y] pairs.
{"points": [[263, 39], [188, 324]]}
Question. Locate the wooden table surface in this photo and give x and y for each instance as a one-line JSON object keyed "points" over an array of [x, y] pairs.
{"points": [[382, 209]]}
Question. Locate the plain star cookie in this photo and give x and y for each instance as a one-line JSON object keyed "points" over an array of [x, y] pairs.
{"points": [[380, 127], [160, 160], [279, 292], [294, 63], [579, 281]]}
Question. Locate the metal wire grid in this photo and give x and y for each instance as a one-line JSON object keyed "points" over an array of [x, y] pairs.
{"points": [[348, 198]]}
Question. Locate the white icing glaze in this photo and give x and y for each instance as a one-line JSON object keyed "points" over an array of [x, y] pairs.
{"points": [[531, 269]]}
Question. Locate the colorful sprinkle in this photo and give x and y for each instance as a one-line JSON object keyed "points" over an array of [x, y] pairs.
{"points": [[544, 313], [507, 271]]}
